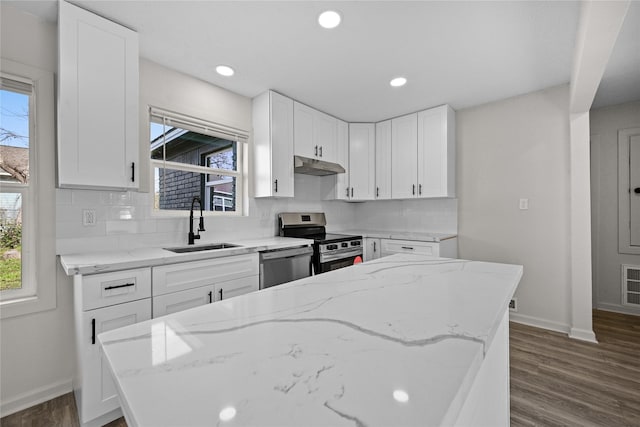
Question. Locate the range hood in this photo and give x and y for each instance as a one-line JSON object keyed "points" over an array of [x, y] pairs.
{"points": [[316, 167]]}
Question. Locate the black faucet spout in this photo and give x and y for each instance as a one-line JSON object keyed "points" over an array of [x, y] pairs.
{"points": [[192, 236]]}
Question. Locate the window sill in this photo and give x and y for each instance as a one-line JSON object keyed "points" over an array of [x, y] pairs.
{"points": [[27, 305]]}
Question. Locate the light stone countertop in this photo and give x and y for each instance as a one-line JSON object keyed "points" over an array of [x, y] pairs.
{"points": [[393, 342], [401, 235], [101, 262]]}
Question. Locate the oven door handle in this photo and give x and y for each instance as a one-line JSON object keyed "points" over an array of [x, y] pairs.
{"points": [[340, 255]]}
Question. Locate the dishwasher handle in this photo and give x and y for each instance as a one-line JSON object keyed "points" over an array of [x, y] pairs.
{"points": [[286, 253]]}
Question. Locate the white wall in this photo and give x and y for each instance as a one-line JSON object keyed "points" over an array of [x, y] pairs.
{"points": [[605, 123], [507, 150], [36, 357]]}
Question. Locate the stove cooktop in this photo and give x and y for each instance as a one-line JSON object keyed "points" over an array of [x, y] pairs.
{"points": [[335, 238]]}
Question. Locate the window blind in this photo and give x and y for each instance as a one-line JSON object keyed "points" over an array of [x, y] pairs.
{"points": [[198, 125]]}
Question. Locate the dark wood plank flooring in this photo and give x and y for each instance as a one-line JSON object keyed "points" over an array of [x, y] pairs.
{"points": [[555, 381]]}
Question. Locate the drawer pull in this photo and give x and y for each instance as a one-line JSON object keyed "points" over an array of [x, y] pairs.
{"points": [[407, 247], [126, 285], [93, 331]]}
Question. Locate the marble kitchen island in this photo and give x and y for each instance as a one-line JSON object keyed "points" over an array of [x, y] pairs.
{"points": [[404, 340]]}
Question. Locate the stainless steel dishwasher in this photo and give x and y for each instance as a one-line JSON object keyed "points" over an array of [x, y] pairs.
{"points": [[279, 266]]}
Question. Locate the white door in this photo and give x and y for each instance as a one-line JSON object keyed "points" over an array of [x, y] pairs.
{"points": [[634, 186], [342, 158], [282, 145], [404, 167], [383, 160], [325, 130], [236, 287], [183, 300], [303, 144], [99, 394], [98, 101], [362, 161]]}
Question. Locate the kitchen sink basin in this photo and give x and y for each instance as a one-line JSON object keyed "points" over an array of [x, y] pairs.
{"points": [[212, 247]]}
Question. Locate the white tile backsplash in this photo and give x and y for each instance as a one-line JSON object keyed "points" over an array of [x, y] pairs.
{"points": [[125, 219]]}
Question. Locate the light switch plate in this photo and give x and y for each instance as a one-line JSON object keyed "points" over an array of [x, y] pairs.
{"points": [[524, 204], [88, 217]]}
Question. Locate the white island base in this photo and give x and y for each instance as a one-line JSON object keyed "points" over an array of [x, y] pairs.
{"points": [[402, 341]]}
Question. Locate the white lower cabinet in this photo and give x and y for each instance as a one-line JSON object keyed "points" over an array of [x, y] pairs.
{"points": [[371, 248], [104, 302], [108, 301]]}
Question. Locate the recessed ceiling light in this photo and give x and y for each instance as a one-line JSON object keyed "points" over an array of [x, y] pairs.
{"points": [[329, 19], [401, 396], [225, 70], [398, 81], [227, 413]]}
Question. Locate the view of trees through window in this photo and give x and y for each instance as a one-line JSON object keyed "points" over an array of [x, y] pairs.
{"points": [[14, 181], [189, 164]]}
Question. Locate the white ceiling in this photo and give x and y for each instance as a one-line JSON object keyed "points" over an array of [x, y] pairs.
{"points": [[460, 53]]}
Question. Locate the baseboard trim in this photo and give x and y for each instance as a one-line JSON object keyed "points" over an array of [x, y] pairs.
{"points": [[35, 397], [618, 308], [583, 335], [539, 323]]}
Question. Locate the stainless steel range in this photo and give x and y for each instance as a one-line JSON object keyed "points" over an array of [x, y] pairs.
{"points": [[330, 251]]}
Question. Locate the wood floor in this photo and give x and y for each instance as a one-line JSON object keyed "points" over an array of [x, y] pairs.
{"points": [[555, 381]]}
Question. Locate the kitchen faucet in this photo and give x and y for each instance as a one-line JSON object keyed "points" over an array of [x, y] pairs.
{"points": [[192, 236]]}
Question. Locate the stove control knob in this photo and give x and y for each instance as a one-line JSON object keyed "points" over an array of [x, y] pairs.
{"points": [[355, 243], [332, 247], [345, 245]]}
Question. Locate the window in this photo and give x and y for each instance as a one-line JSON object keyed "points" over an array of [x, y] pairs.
{"points": [[16, 130], [27, 195], [193, 158]]}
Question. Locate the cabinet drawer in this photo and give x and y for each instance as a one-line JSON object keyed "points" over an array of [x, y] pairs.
{"points": [[102, 290], [391, 246], [182, 300], [189, 275]]}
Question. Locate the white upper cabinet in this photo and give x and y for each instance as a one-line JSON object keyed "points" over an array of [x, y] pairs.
{"points": [[97, 101], [436, 152], [362, 161], [273, 145], [314, 133], [404, 146], [342, 158], [383, 160]]}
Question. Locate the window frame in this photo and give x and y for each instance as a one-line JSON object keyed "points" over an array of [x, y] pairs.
{"points": [[39, 264], [240, 137]]}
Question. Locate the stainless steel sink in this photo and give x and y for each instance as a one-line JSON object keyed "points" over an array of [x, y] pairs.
{"points": [[212, 247]]}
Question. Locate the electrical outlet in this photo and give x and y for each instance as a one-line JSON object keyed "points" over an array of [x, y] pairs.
{"points": [[513, 304], [88, 217]]}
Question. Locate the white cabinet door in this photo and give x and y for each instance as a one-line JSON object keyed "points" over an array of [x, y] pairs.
{"points": [[183, 300], [233, 288], [325, 130], [97, 389], [436, 152], [303, 134], [342, 151], [383, 160], [404, 142], [314, 133], [98, 101], [371, 248], [273, 145], [362, 161]]}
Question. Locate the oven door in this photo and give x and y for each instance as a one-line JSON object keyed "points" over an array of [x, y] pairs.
{"points": [[334, 261]]}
